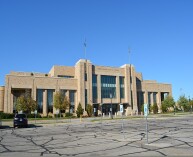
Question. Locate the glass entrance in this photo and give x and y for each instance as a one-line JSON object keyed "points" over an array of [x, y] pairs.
{"points": [[106, 108]]}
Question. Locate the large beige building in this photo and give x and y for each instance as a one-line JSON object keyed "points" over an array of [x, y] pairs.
{"points": [[102, 86]]}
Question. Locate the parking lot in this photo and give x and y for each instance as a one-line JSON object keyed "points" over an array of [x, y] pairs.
{"points": [[166, 137]]}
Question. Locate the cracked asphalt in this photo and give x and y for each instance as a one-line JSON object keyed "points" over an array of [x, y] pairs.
{"points": [[167, 137]]}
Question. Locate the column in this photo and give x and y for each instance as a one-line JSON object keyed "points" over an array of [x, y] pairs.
{"points": [[11, 103], [33, 90], [45, 110], [68, 97], [89, 83], [145, 97], [134, 89], [99, 88], [118, 89], [159, 101], [152, 99]]}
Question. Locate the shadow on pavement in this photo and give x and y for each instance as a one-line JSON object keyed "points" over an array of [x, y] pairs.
{"points": [[11, 127]]}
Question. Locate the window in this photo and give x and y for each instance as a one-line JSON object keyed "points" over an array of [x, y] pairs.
{"points": [[122, 87], [85, 98], [149, 98], [85, 76], [108, 86], [63, 91], [140, 99], [94, 88], [40, 100], [65, 76], [50, 100], [154, 98], [72, 99]]}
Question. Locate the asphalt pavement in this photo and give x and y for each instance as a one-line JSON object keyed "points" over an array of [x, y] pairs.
{"points": [[168, 136]]}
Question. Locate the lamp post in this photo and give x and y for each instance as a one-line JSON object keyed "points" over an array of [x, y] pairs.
{"points": [[111, 106], [190, 105], [174, 109]]}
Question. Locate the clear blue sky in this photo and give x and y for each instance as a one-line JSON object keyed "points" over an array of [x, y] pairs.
{"points": [[37, 34]]}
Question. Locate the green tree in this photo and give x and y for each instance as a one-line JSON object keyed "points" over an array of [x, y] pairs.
{"points": [[183, 103], [167, 103], [191, 104], [89, 110], [155, 108], [79, 110], [66, 103], [26, 104], [59, 102]]}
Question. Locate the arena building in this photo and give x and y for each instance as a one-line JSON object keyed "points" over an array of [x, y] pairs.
{"points": [[101, 86]]}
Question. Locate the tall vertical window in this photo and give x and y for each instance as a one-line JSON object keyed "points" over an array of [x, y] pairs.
{"points": [[50, 100], [131, 99], [85, 76], [72, 99], [154, 98], [39, 99], [108, 86], [140, 99], [94, 88], [122, 87], [86, 98], [63, 91]]}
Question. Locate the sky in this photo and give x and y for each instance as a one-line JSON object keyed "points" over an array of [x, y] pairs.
{"points": [[37, 34]]}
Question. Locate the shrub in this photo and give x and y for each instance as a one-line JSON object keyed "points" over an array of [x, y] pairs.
{"points": [[164, 108], [68, 114], [142, 108], [155, 108], [33, 116], [79, 110], [6, 115], [89, 110]]}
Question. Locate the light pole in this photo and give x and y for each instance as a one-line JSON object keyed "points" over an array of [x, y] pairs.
{"points": [[111, 106], [174, 109], [190, 104]]}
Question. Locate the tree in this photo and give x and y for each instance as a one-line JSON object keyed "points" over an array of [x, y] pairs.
{"points": [[183, 103], [89, 110], [167, 103], [66, 103], [155, 108], [191, 104], [59, 101], [79, 110], [25, 103], [142, 108]]}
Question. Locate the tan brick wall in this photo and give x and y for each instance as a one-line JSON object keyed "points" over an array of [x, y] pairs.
{"points": [[34, 82], [78, 83], [62, 70], [103, 70], [2, 90]]}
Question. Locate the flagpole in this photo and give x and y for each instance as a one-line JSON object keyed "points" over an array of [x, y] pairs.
{"points": [[85, 49]]}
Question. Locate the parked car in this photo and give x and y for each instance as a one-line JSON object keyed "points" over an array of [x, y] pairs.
{"points": [[20, 120]]}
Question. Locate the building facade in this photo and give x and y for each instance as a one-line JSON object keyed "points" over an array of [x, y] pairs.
{"points": [[103, 87]]}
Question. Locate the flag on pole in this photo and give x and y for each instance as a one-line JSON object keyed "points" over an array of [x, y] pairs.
{"points": [[85, 43]]}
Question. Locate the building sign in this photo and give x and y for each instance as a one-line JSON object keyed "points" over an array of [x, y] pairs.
{"points": [[121, 108], [145, 110], [57, 112]]}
